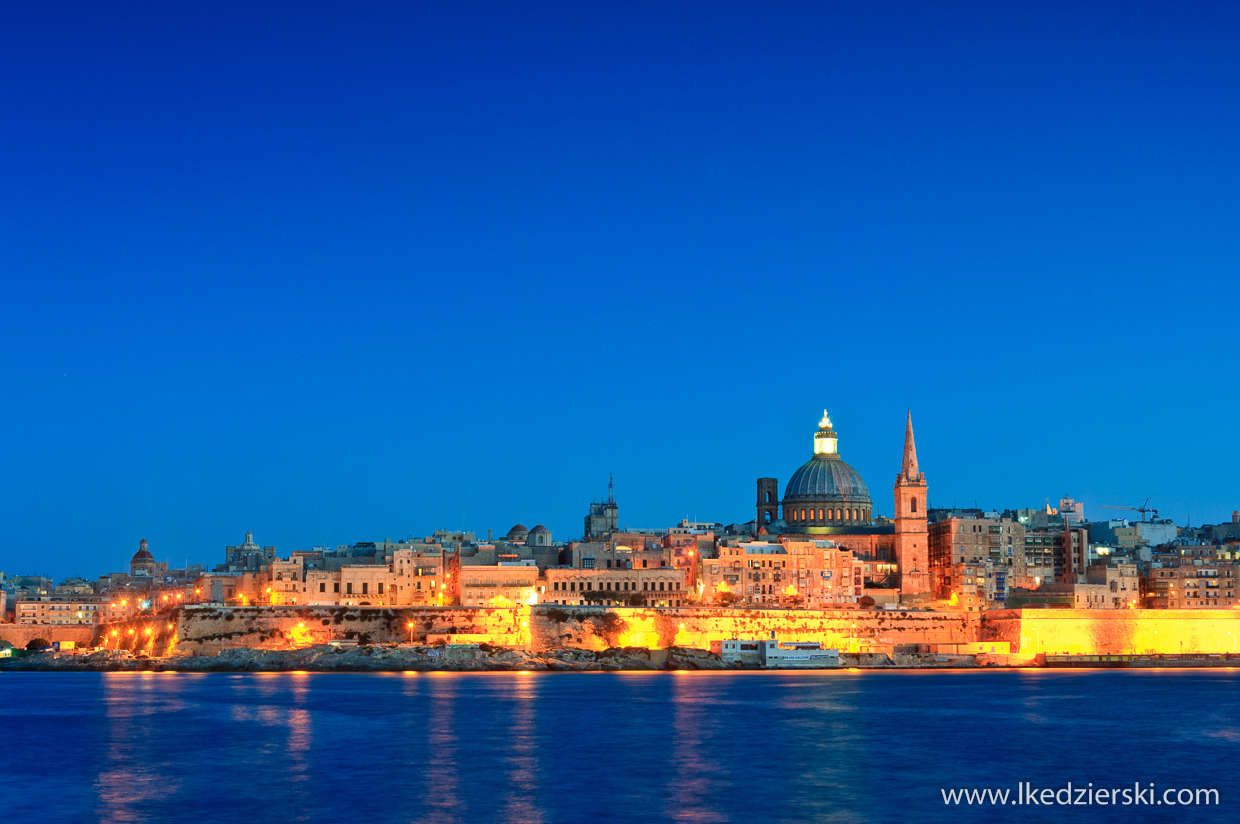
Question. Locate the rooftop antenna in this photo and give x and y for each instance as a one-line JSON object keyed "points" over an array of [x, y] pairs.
{"points": [[611, 497]]}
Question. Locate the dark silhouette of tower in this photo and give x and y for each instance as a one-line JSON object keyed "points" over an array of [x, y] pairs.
{"points": [[768, 501]]}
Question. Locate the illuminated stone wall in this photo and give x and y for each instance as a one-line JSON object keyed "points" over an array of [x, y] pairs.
{"points": [[597, 629], [21, 634], [209, 630], [546, 627], [1114, 632]]}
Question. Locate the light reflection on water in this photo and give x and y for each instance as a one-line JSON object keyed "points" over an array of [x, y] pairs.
{"points": [[699, 748]]}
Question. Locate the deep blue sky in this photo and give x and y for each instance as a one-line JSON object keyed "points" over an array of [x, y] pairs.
{"points": [[335, 272]]}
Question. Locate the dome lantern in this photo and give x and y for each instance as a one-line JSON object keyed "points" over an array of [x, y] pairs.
{"points": [[825, 440]]}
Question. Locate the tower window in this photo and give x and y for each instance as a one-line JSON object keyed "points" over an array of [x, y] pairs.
{"points": [[821, 516], [768, 497], [912, 502]]}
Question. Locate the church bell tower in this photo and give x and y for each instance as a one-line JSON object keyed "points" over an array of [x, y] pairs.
{"points": [[912, 538]]}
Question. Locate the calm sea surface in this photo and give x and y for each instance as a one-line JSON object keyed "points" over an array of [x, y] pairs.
{"points": [[606, 747]]}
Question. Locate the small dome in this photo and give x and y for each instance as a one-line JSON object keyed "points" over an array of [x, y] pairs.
{"points": [[540, 530], [518, 533], [143, 554]]}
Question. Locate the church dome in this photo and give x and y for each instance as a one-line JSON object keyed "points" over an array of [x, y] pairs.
{"points": [[539, 530], [143, 554], [829, 480], [518, 533], [825, 491]]}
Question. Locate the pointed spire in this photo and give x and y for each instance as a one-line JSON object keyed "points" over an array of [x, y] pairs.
{"points": [[910, 471]]}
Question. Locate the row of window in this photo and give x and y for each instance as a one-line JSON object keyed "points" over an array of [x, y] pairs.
{"points": [[842, 514], [621, 586], [349, 587]]}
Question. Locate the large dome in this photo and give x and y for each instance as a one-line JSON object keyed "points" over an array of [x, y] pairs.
{"points": [[826, 492], [828, 480]]}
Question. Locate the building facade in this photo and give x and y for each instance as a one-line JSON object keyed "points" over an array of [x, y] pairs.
{"points": [[827, 498], [637, 587]]}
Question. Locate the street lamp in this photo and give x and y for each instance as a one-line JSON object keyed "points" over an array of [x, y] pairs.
{"points": [[410, 625]]}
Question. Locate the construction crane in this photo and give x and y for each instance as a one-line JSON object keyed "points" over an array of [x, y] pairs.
{"points": [[1144, 508]]}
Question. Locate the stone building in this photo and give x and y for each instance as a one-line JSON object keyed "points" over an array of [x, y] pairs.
{"points": [[1190, 586], [1109, 587], [246, 556], [143, 563], [814, 574], [498, 586], [604, 517], [58, 609], [539, 536], [827, 498], [656, 587], [421, 577]]}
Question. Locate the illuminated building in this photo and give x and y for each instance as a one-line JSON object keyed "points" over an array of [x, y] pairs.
{"points": [[994, 548], [421, 577], [1190, 586], [1109, 587], [498, 586], [827, 497], [57, 609], [912, 542], [656, 587], [793, 572], [825, 491]]}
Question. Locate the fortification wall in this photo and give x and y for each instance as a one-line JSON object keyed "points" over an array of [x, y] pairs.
{"points": [[598, 628], [549, 627], [1114, 632], [21, 634], [196, 629]]}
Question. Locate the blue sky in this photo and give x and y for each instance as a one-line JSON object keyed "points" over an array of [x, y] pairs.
{"points": [[336, 273]]}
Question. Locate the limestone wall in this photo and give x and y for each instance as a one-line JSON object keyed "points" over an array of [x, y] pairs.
{"points": [[1114, 632], [548, 627], [21, 634], [208, 630], [598, 628]]}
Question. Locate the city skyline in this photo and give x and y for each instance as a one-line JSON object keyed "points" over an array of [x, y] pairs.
{"points": [[373, 273], [171, 556]]}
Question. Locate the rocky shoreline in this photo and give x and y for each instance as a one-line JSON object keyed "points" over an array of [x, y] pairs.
{"points": [[378, 658]]}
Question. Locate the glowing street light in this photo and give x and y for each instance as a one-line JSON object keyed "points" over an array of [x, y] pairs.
{"points": [[410, 625]]}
